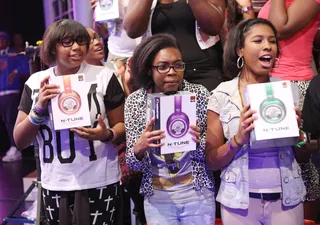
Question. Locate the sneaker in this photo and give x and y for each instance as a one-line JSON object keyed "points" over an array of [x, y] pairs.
{"points": [[12, 155]]}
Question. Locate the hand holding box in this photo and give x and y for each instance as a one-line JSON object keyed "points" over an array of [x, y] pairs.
{"points": [[70, 108], [174, 114], [276, 124]]}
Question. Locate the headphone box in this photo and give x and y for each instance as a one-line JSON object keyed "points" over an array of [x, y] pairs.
{"points": [[276, 124], [106, 10], [70, 108], [173, 114]]}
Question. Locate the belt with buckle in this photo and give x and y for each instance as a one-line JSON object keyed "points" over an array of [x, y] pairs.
{"points": [[265, 196]]}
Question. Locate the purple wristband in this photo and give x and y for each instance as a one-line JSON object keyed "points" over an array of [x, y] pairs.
{"points": [[38, 110], [234, 149]]}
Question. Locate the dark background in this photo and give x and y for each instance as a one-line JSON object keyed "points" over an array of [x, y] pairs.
{"points": [[24, 17]]}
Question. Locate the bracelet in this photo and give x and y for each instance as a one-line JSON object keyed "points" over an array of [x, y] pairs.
{"points": [[34, 120], [112, 137], [235, 140], [37, 110], [246, 9], [304, 141], [235, 150], [300, 144]]}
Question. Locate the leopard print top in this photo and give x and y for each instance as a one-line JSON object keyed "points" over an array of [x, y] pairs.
{"points": [[135, 122]]}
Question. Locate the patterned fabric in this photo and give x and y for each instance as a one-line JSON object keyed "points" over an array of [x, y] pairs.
{"points": [[62, 206], [135, 121], [303, 86], [310, 177], [126, 173], [309, 172]]}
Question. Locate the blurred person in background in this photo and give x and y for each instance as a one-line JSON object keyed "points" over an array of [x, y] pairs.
{"points": [[120, 45], [12, 68], [194, 23], [18, 43], [129, 179]]}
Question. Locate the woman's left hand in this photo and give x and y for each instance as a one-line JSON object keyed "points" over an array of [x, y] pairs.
{"points": [[195, 131], [98, 133], [298, 116]]}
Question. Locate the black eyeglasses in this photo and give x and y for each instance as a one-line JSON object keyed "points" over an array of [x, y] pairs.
{"points": [[95, 37], [69, 41], [165, 67]]}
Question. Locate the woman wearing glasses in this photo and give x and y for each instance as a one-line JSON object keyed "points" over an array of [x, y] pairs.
{"points": [[184, 195], [95, 54], [79, 167]]}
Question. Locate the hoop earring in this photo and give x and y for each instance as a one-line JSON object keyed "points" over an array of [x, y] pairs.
{"points": [[278, 64], [240, 62]]}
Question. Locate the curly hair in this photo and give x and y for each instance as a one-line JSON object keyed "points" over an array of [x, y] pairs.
{"points": [[235, 41], [144, 55], [55, 32]]}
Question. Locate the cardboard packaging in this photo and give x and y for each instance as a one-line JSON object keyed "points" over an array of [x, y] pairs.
{"points": [[174, 114], [106, 10], [70, 108], [276, 124]]}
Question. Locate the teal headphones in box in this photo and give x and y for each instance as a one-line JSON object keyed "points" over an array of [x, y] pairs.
{"points": [[272, 110]]}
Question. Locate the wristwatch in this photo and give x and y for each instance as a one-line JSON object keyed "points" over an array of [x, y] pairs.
{"points": [[246, 9]]}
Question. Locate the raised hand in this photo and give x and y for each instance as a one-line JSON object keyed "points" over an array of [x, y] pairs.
{"points": [[244, 3], [98, 133], [299, 117], [127, 78], [46, 92], [195, 131], [93, 4], [148, 139], [246, 125]]}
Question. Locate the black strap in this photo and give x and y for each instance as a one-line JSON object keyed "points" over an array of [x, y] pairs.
{"points": [[171, 92], [173, 166], [265, 196]]}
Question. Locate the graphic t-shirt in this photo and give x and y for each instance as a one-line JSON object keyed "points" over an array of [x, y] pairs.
{"points": [[69, 162]]}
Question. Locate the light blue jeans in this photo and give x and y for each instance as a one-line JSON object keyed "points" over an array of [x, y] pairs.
{"points": [[191, 213], [263, 213]]}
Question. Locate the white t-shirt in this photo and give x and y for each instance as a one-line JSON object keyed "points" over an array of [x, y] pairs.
{"points": [[119, 43], [69, 162]]}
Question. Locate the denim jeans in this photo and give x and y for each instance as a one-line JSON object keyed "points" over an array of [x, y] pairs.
{"points": [[263, 213], [191, 213]]}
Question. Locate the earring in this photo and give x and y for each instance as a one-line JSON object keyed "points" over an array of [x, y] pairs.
{"points": [[278, 64], [240, 62]]}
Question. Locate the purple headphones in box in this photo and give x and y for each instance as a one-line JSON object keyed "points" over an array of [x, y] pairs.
{"points": [[178, 121]]}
